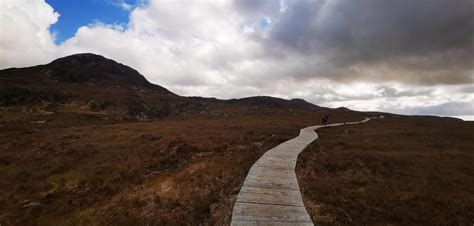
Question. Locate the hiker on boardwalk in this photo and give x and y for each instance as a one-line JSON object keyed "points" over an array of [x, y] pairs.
{"points": [[324, 118]]}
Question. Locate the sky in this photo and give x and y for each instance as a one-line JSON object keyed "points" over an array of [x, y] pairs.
{"points": [[400, 56], [77, 13]]}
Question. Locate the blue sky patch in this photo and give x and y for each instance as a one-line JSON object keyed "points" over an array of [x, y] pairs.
{"points": [[78, 13], [264, 23]]}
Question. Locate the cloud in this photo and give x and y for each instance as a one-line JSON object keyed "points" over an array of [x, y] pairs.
{"points": [[422, 42], [129, 5], [24, 38], [123, 5], [173, 43], [365, 54], [445, 109]]}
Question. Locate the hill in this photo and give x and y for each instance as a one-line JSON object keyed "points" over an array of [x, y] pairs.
{"points": [[272, 102], [85, 69], [89, 83]]}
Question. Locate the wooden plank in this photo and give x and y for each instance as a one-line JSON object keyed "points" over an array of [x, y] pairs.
{"points": [[276, 162], [271, 183], [290, 164], [268, 212], [269, 223], [270, 191], [284, 166], [270, 199], [276, 159], [272, 179], [265, 171]]}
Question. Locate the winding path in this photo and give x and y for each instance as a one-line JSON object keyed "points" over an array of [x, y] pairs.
{"points": [[270, 194]]}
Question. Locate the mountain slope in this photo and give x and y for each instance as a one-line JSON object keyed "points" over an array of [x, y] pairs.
{"points": [[89, 83], [83, 68]]}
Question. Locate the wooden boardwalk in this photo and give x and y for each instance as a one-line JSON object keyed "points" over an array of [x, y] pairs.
{"points": [[270, 194]]}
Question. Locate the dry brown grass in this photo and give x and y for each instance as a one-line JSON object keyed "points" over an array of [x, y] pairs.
{"points": [[82, 169], [395, 171]]}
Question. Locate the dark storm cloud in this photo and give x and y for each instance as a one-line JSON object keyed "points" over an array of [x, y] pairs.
{"points": [[423, 41], [257, 8]]}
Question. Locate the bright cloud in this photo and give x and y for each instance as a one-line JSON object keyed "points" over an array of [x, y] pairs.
{"points": [[24, 37]]}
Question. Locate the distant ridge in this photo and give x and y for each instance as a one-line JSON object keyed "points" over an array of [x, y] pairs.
{"points": [[273, 102]]}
